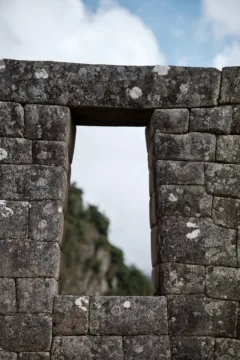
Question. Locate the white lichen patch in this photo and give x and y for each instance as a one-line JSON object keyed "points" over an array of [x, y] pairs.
{"points": [[42, 224], [60, 209], [82, 71], [4, 210], [41, 182], [2, 65], [161, 69], [184, 89], [82, 303], [41, 74], [127, 304], [135, 92], [138, 349], [191, 225], [3, 154], [172, 198], [194, 234]]}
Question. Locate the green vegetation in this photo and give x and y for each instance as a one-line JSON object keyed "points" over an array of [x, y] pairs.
{"points": [[91, 264]]}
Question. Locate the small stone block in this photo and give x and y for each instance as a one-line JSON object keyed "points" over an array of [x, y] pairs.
{"points": [[140, 315], [228, 349], [199, 316], [4, 355], [87, 348], [11, 119], [182, 279], [36, 295], [15, 151], [34, 356], [51, 153], [13, 219], [194, 348], [226, 212], [144, 347], [7, 296], [223, 283], [172, 121], [70, 315], [228, 149]]}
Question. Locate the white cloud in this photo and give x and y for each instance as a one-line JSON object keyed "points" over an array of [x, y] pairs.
{"points": [[230, 56], [110, 164]]}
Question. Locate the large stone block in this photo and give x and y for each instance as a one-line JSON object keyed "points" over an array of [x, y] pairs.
{"points": [[228, 149], [46, 221], [51, 153], [228, 349], [198, 316], [140, 315], [223, 283], [70, 315], [191, 147], [216, 120], [189, 201], [15, 151], [87, 348], [13, 219], [178, 279], [4, 355], [230, 85], [36, 295], [34, 356], [194, 348], [24, 182], [7, 296], [226, 212], [22, 258], [196, 241], [11, 119], [144, 347], [172, 121], [223, 179], [26, 332]]}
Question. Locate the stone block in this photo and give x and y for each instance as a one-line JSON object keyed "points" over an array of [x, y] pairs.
{"points": [[23, 258], [186, 201], [191, 147], [226, 212], [230, 85], [4, 355], [216, 120], [34, 356], [228, 349], [172, 121], [140, 315], [223, 283], [153, 210], [228, 149], [178, 279], [196, 241], [144, 347], [194, 348], [15, 151], [87, 348], [51, 153], [11, 119], [235, 128], [13, 219], [7, 296], [156, 280], [26, 332], [199, 316], [36, 295], [46, 221], [223, 179], [24, 182], [70, 315], [155, 246]]}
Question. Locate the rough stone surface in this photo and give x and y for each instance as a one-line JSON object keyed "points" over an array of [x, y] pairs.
{"points": [[26, 332], [71, 315], [36, 295], [25, 182], [7, 296], [108, 86], [11, 119], [223, 283], [144, 347], [15, 151], [140, 315], [46, 221], [87, 348], [178, 279], [29, 259], [155, 246], [4, 355], [172, 121], [13, 219], [189, 201], [34, 356], [198, 316], [51, 153], [223, 179], [228, 349], [230, 85], [235, 129], [217, 120], [228, 149], [196, 241], [196, 348], [226, 212], [191, 146]]}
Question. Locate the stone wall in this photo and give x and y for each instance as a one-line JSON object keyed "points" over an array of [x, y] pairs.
{"points": [[193, 139]]}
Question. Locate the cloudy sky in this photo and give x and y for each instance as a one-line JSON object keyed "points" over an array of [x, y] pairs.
{"points": [[110, 164]]}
